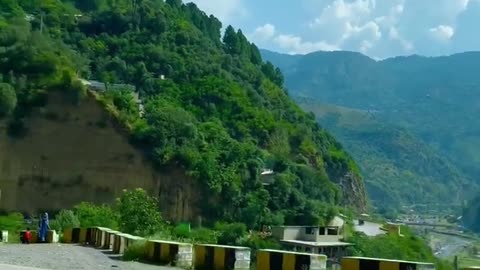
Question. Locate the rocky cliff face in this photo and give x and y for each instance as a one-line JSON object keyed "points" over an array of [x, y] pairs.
{"points": [[75, 153], [354, 192]]}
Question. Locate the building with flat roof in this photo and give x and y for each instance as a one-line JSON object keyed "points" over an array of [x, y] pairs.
{"points": [[312, 239]]}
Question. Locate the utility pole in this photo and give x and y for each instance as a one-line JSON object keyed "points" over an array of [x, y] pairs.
{"points": [[455, 263]]}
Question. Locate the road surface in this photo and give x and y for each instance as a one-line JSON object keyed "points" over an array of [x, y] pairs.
{"points": [[62, 257], [13, 267]]}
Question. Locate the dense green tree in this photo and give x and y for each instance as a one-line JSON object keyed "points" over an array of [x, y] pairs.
{"points": [[231, 41], [255, 55], [91, 215], [231, 234], [138, 213], [174, 3], [8, 99], [66, 219], [90, 5]]}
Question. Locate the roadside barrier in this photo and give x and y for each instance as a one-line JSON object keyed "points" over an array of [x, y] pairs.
{"points": [[75, 235], [52, 236], [170, 253], [268, 259], [100, 236], [109, 238], [122, 241], [362, 263], [4, 236], [217, 257]]}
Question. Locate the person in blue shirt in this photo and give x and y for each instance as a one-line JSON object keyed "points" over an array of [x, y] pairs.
{"points": [[43, 227]]}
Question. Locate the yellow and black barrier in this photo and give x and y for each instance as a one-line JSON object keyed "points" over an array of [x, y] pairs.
{"points": [[170, 253], [3, 236], [287, 260], [91, 236], [100, 236], [362, 263], [122, 241], [129, 240], [109, 238], [119, 241], [75, 235], [217, 257]]}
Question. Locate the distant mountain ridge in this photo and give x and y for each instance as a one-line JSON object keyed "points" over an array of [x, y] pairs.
{"points": [[434, 99]]}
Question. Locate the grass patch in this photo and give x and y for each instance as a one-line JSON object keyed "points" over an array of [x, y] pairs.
{"points": [[136, 251], [12, 223]]}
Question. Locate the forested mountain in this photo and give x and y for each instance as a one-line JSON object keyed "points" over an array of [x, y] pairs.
{"points": [[471, 215], [430, 103], [398, 168], [212, 107]]}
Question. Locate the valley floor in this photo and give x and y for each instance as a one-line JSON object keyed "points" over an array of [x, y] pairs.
{"points": [[61, 257]]}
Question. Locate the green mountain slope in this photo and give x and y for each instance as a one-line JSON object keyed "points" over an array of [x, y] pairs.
{"points": [[212, 107], [398, 168], [433, 99]]}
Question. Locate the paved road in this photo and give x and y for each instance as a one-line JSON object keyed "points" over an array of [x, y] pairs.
{"points": [[64, 257], [369, 228], [13, 267]]}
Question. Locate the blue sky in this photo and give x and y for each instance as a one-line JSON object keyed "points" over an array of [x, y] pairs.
{"points": [[377, 28]]}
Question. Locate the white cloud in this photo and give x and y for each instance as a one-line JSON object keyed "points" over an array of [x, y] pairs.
{"points": [[225, 10], [337, 20], [442, 32], [378, 28], [355, 25], [394, 35], [295, 45], [369, 31], [263, 33], [292, 44]]}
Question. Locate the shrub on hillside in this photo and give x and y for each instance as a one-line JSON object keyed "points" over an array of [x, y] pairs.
{"points": [[138, 213], [12, 223], [182, 231], [64, 220], [135, 252], [8, 99], [231, 234], [91, 215], [204, 235]]}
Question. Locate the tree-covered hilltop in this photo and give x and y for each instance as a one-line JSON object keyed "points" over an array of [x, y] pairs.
{"points": [[435, 99], [212, 106]]}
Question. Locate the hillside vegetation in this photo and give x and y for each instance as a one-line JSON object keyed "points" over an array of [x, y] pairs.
{"points": [[471, 215], [221, 114], [415, 116], [398, 167]]}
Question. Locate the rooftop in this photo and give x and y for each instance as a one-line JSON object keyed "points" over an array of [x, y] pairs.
{"points": [[388, 260], [317, 244], [223, 246], [293, 252], [304, 226]]}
